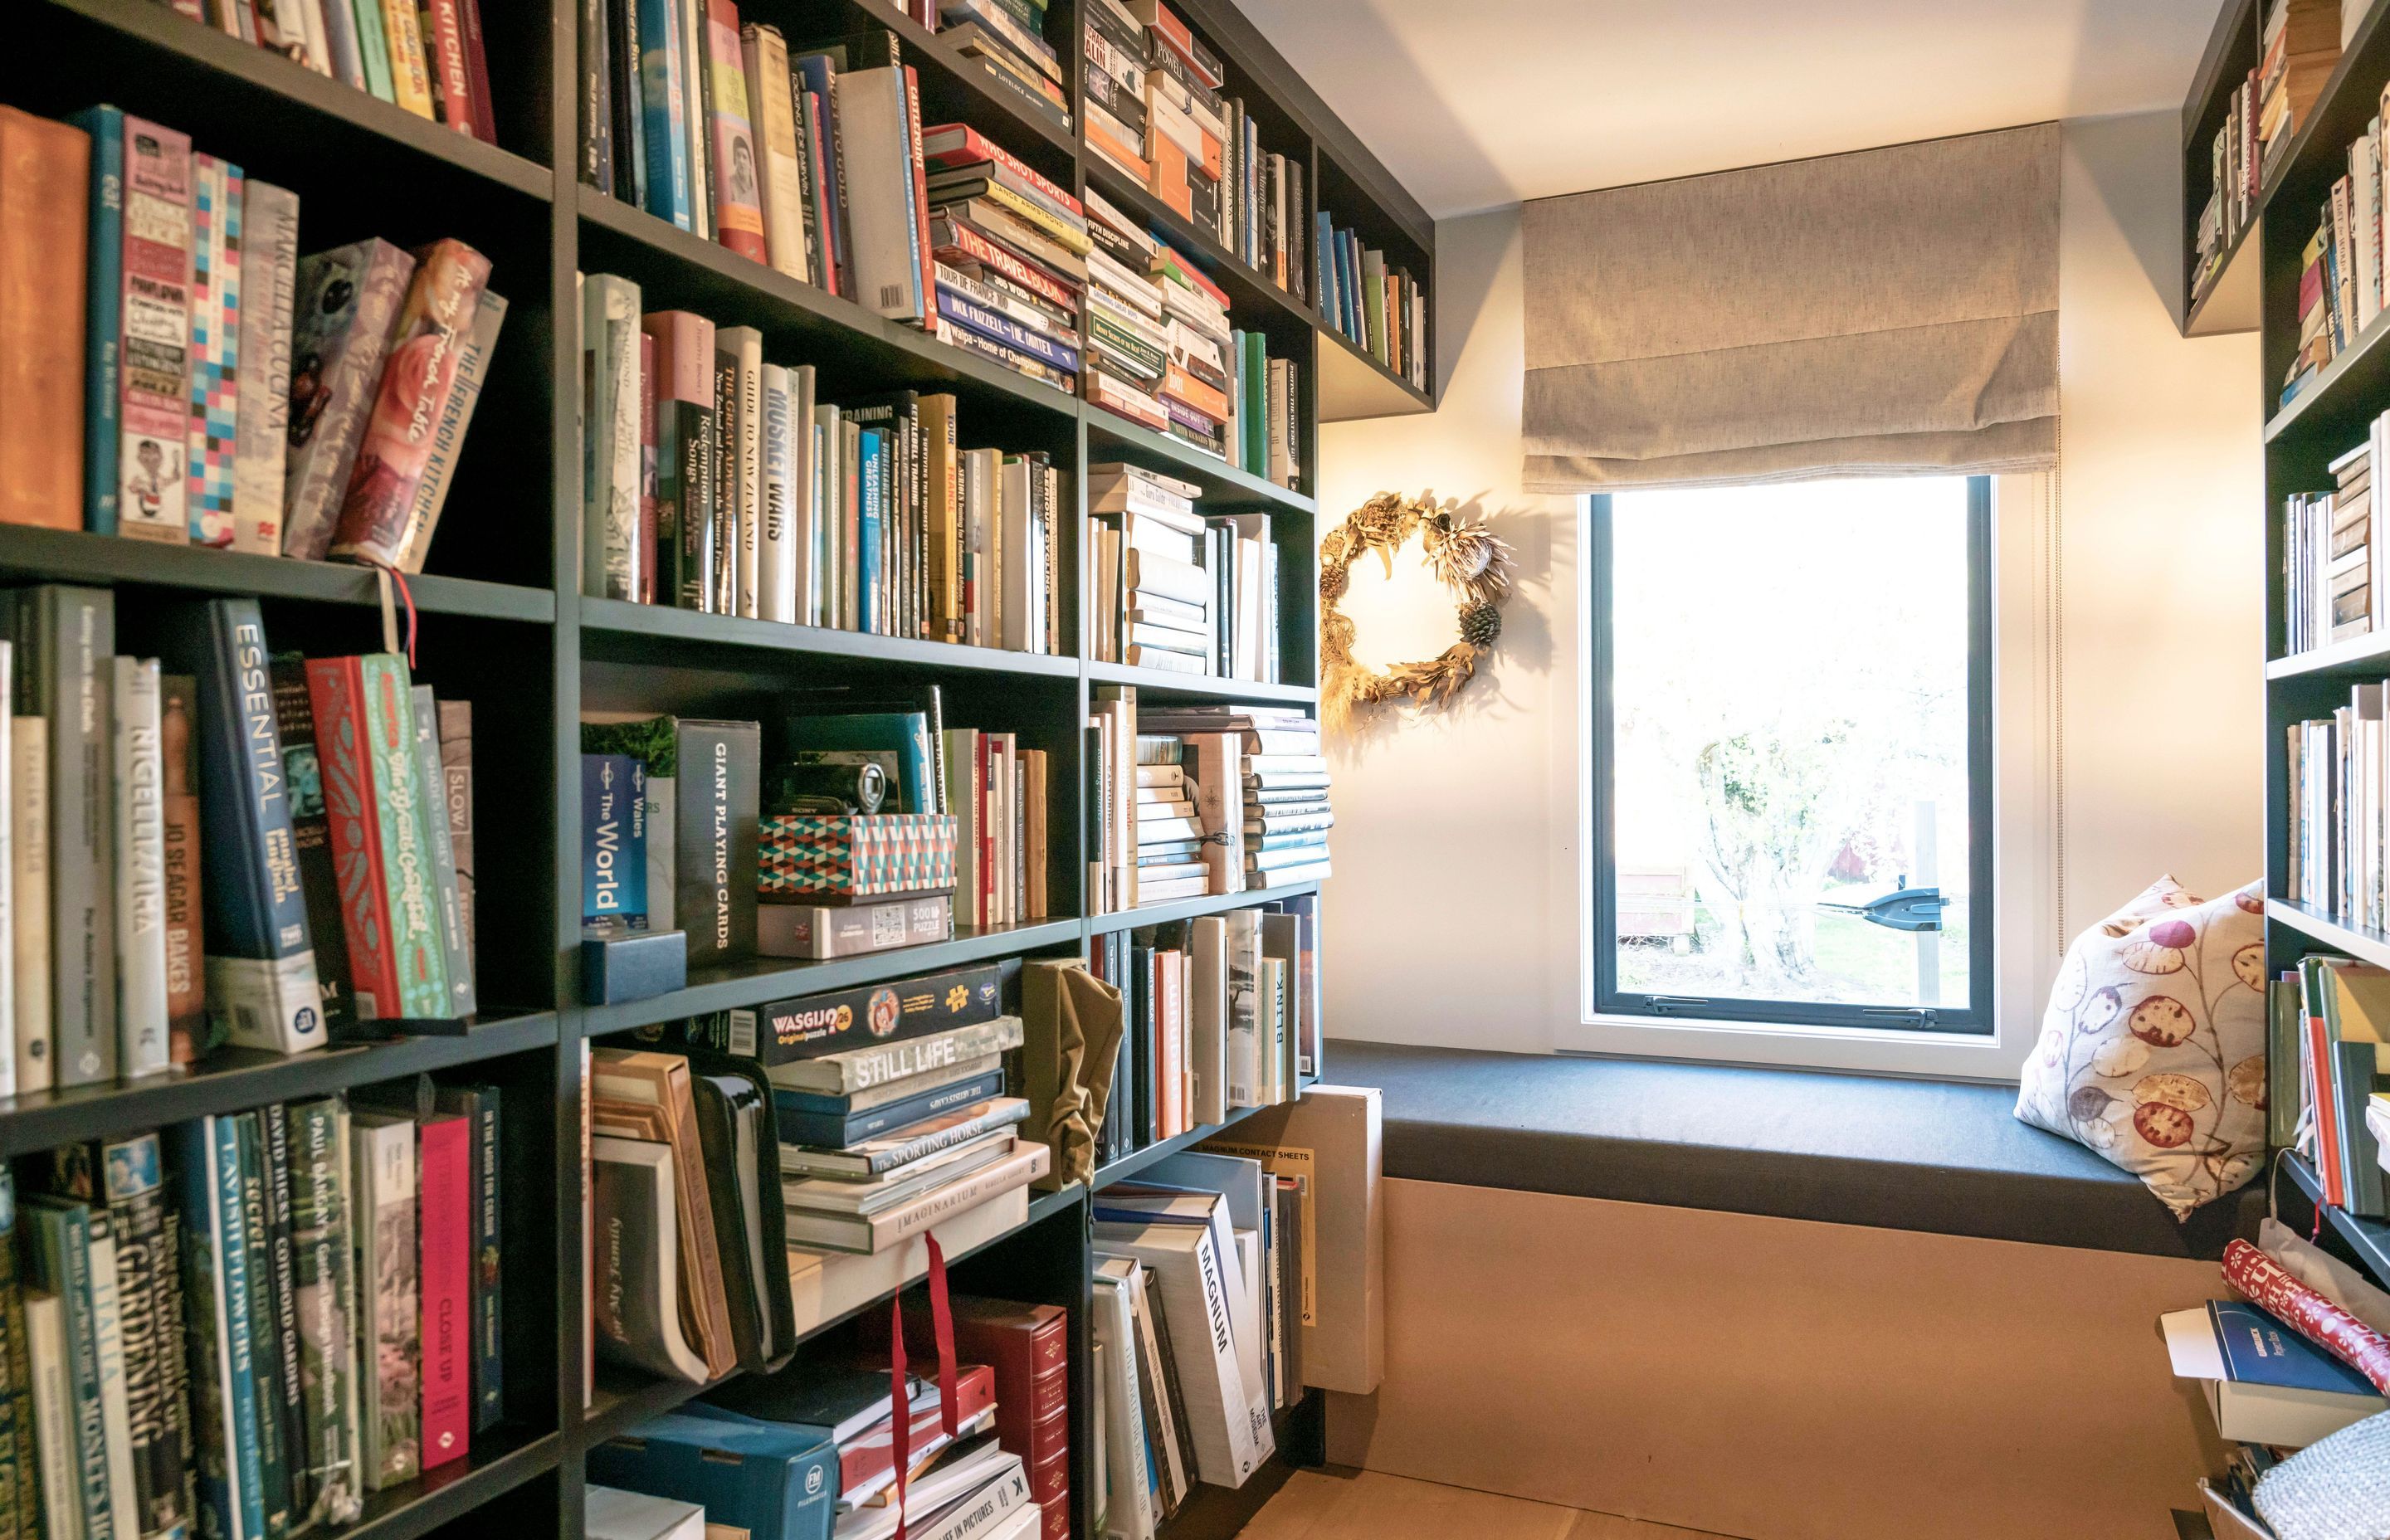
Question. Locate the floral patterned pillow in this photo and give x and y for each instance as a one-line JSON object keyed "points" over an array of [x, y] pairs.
{"points": [[2153, 1049]]}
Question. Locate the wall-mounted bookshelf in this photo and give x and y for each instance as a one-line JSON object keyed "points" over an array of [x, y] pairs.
{"points": [[503, 623]]}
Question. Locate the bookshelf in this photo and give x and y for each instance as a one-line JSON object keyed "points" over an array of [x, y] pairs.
{"points": [[502, 623]]}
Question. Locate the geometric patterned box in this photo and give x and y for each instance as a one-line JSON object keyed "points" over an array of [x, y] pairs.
{"points": [[841, 855]]}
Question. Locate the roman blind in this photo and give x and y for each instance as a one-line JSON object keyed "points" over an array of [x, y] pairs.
{"points": [[1888, 312]]}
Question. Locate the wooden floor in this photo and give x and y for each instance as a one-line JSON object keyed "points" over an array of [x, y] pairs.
{"points": [[1364, 1505]]}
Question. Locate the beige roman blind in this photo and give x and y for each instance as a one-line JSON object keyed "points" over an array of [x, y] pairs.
{"points": [[1884, 313]]}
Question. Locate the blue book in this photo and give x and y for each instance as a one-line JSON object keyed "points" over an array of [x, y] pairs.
{"points": [[871, 490], [664, 117], [59, 1232], [341, 36], [261, 960], [2259, 1350], [820, 76], [613, 840], [964, 311], [206, 1195], [373, 48], [1323, 288], [237, 1270], [767, 1481], [799, 1124], [904, 735], [103, 307]]}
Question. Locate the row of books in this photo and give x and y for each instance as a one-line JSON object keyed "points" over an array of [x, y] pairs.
{"points": [[243, 1324], [2302, 44], [1199, 1239], [176, 824], [1162, 353], [2341, 266], [1381, 310], [719, 482], [1219, 1013], [2328, 1054], [429, 60], [810, 1453], [200, 381], [1156, 110], [1172, 587], [2332, 584], [1239, 788], [2337, 784]]}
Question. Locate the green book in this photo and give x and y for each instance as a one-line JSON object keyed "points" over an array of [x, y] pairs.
{"points": [[59, 1251], [373, 47], [1254, 412], [326, 1302], [265, 1335]]}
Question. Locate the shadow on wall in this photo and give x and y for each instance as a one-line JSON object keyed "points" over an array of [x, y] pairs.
{"points": [[2146, 210]]}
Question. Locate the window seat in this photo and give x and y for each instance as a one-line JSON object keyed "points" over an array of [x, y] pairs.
{"points": [[1847, 1150]]}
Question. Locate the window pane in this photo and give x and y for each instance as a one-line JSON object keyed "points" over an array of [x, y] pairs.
{"points": [[1790, 685]]}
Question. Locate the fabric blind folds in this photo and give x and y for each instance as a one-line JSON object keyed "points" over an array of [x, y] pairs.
{"points": [[1888, 312]]}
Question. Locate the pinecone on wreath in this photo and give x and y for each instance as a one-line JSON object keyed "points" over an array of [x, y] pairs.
{"points": [[1480, 623], [1333, 582]]}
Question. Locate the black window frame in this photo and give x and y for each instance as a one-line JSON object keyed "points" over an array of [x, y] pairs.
{"points": [[1975, 1020]]}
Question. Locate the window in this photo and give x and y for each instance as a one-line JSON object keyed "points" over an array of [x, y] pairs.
{"points": [[1791, 769]]}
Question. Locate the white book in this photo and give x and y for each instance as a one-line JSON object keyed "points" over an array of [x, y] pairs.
{"points": [[609, 1514], [1016, 601], [269, 264], [1271, 1041], [777, 538], [983, 476], [1149, 1365], [741, 348], [2365, 175], [107, 1334], [694, 92], [765, 55], [53, 1401], [381, 1151], [1131, 1515], [610, 500], [823, 601], [883, 224], [1200, 1294], [29, 882], [140, 839], [804, 487], [1244, 1007], [1207, 1046]]}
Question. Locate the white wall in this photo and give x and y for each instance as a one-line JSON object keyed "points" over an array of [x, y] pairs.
{"points": [[1453, 914]]}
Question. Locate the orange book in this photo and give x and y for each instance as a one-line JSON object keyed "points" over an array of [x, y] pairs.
{"points": [[1168, 178], [45, 190], [1209, 399]]}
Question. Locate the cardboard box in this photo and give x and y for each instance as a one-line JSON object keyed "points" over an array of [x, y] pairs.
{"points": [[1334, 1138]]}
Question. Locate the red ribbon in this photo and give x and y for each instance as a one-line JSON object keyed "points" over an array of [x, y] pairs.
{"points": [[942, 1326], [900, 1406]]}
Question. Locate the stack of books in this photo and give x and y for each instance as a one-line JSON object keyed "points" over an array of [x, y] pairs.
{"points": [[2302, 44], [1010, 250], [1117, 60], [2266, 1384], [246, 1323], [1128, 341], [1153, 603], [2329, 574], [1008, 39], [1169, 837], [729, 485], [2340, 288], [429, 60], [132, 945], [1381, 311], [1215, 1012], [1260, 786], [268, 404]]}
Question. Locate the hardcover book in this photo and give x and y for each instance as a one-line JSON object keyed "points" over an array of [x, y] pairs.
{"points": [[664, 123], [479, 1106], [445, 1206], [853, 1069], [349, 303], [216, 191], [141, 1035], [311, 839], [325, 1290], [264, 1330], [457, 772], [28, 900], [132, 1180], [390, 1322], [261, 965], [432, 786], [448, 438], [683, 391], [204, 1161], [152, 237], [178, 712], [611, 557], [737, 187], [45, 201], [636, 1281]]}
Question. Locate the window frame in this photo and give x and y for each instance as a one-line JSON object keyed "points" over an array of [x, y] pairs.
{"points": [[1977, 1020]]}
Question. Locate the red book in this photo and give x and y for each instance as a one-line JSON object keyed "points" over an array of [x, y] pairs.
{"points": [[816, 151], [444, 1213], [961, 145], [359, 765], [868, 1459], [958, 241], [477, 70], [921, 248], [459, 108], [1027, 1347]]}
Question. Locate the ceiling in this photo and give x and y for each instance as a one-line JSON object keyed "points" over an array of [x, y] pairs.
{"points": [[1478, 103]]}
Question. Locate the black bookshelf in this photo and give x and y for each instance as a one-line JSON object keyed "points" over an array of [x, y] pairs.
{"points": [[502, 623]]}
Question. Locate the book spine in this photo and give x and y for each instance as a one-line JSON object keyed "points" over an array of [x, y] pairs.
{"points": [[20, 1496], [593, 101], [102, 316], [341, 44], [215, 348], [666, 114], [402, 803], [377, 508], [737, 213], [154, 345], [335, 689], [609, 494], [488, 1293], [283, 1279], [311, 842], [325, 1300], [269, 258], [460, 108], [402, 30], [62, 1256], [448, 439], [373, 50], [349, 301], [776, 541], [390, 1326], [115, 1408], [740, 350], [477, 69], [264, 1336], [140, 959], [134, 1181], [431, 784], [55, 1504], [781, 184], [457, 786], [445, 1216]]}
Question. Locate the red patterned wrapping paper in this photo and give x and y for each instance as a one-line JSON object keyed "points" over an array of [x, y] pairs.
{"points": [[2265, 1282]]}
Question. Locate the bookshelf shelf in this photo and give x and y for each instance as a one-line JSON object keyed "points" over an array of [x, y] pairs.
{"points": [[2345, 395], [1111, 437], [519, 642], [2367, 1239], [1130, 1164], [2372, 946], [2229, 301], [767, 979], [236, 1079], [2369, 653], [73, 556], [1190, 908]]}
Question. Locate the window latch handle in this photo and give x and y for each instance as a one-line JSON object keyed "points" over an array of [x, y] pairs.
{"points": [[1673, 1002]]}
